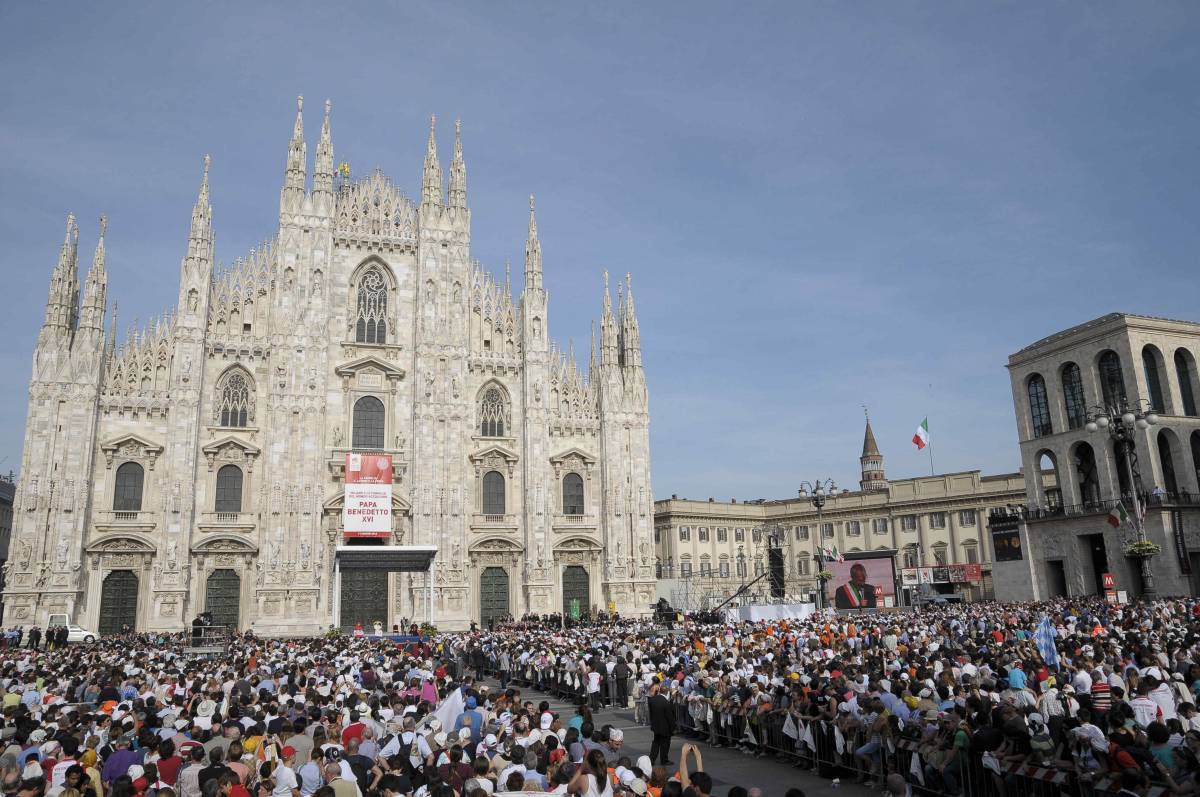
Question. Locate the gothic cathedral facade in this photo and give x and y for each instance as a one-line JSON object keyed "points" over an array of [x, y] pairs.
{"points": [[198, 464]]}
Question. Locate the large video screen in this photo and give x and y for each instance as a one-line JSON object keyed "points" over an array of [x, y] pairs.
{"points": [[862, 583]]}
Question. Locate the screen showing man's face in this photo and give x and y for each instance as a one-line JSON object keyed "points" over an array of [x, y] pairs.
{"points": [[858, 574]]}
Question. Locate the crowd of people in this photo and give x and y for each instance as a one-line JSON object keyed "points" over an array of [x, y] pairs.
{"points": [[1105, 692]]}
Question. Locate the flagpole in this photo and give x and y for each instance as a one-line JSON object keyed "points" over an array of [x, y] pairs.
{"points": [[932, 472]]}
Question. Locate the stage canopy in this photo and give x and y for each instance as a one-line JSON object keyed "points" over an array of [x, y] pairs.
{"points": [[394, 558]]}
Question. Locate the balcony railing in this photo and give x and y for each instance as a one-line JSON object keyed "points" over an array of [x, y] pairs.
{"points": [[493, 520], [1148, 500], [126, 519], [227, 520]]}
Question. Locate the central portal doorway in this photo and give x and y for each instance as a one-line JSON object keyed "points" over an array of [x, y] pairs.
{"points": [[576, 591], [493, 596], [364, 598]]}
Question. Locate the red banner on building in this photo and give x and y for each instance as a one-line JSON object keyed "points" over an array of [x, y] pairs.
{"points": [[367, 511]]}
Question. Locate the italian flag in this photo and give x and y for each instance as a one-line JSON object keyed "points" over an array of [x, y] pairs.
{"points": [[921, 438], [1118, 515]]}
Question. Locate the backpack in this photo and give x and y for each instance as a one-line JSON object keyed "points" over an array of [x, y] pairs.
{"points": [[1144, 759]]}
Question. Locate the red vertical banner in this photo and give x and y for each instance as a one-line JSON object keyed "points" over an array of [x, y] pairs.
{"points": [[367, 510]]}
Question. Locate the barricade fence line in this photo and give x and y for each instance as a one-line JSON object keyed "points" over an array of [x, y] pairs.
{"points": [[819, 745]]}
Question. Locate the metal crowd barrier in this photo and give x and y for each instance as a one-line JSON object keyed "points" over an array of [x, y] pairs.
{"points": [[818, 746]]}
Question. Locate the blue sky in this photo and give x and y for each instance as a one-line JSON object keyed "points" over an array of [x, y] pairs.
{"points": [[823, 205]]}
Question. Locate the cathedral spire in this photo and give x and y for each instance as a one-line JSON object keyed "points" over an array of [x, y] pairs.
{"points": [[96, 288], [631, 336], [323, 163], [873, 478], [592, 358], [507, 278], [64, 283], [111, 346], [533, 252], [200, 233], [458, 171], [431, 184], [291, 198], [608, 330]]}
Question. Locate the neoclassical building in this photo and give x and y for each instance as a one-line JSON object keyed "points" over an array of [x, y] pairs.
{"points": [[198, 463], [713, 547], [1116, 361]]}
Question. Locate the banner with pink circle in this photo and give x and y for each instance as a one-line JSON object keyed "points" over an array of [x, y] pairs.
{"points": [[367, 511]]}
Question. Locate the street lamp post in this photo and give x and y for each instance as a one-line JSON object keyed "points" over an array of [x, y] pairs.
{"points": [[818, 493], [1122, 422]]}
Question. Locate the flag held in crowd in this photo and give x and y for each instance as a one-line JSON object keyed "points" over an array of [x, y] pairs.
{"points": [[1044, 636]]}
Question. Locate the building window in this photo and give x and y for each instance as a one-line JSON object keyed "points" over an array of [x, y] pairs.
{"points": [[572, 494], [722, 535], [739, 535], [1039, 408], [758, 567], [724, 568], [706, 568], [685, 534], [127, 492], [966, 517], [802, 532], [937, 520], [1076, 406], [802, 565], [493, 413], [880, 525], [910, 556], [853, 528], [704, 534], [235, 405], [1112, 380], [972, 554], [939, 554], [827, 530], [1184, 370], [657, 536], [493, 493], [229, 489], [908, 522], [741, 568], [372, 308], [368, 423], [757, 534], [685, 569], [1150, 369], [658, 570]]}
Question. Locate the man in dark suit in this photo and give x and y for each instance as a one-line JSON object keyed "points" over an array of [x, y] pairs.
{"points": [[856, 593], [662, 724]]}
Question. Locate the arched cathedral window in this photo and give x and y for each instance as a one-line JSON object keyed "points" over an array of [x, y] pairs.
{"points": [[127, 492], [493, 413], [369, 420], [372, 308], [572, 486], [235, 399]]}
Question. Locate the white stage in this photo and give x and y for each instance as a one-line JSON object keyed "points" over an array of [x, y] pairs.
{"points": [[770, 611]]}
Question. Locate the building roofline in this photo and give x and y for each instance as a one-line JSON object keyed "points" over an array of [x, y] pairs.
{"points": [[1095, 324], [847, 494]]}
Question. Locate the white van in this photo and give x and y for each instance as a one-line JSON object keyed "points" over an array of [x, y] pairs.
{"points": [[75, 633]]}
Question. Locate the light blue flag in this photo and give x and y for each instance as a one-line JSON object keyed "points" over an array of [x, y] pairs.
{"points": [[1045, 643]]}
